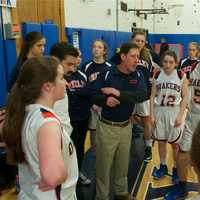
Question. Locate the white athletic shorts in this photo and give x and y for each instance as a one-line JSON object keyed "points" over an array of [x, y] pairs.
{"points": [[164, 128], [142, 109], [191, 122]]}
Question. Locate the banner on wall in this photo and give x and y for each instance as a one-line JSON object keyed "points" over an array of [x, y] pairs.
{"points": [[75, 38], [8, 3]]}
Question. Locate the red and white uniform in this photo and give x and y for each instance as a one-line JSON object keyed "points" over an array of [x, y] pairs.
{"points": [[193, 115], [29, 171], [62, 111], [167, 105]]}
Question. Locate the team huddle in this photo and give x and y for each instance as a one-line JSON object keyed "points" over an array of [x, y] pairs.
{"points": [[54, 101]]}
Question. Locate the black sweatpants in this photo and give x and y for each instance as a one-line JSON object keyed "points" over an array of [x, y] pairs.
{"points": [[78, 136]]}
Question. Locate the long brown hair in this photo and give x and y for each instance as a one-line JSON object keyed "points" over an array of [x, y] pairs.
{"points": [[171, 54], [29, 41], [145, 52], [34, 73]]}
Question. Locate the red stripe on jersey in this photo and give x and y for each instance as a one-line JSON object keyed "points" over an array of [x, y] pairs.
{"points": [[47, 114]]}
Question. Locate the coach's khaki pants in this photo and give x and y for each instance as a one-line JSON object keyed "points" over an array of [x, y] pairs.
{"points": [[112, 148]]}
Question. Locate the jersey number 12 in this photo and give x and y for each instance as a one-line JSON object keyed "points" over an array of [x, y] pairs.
{"points": [[170, 100]]}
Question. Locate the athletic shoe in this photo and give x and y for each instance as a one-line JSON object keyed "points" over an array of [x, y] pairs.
{"points": [[148, 154], [177, 193], [159, 173]]}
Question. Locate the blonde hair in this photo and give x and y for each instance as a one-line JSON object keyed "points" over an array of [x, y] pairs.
{"points": [[144, 53]]}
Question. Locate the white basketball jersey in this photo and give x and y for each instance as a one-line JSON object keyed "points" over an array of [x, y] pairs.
{"points": [[29, 171], [62, 111], [169, 88], [194, 88]]}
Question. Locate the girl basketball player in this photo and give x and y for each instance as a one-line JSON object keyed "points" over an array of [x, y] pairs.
{"points": [[191, 122], [186, 64], [33, 46], [141, 112], [36, 141], [92, 69], [167, 106]]}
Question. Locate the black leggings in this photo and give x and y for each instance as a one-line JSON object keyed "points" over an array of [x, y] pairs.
{"points": [[78, 136]]}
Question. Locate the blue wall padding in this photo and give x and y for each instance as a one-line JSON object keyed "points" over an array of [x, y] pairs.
{"points": [[183, 39], [87, 36], [3, 81], [109, 38], [28, 27], [10, 57], [115, 39], [51, 33]]}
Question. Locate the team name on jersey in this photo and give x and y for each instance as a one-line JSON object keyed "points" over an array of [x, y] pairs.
{"points": [[172, 86], [187, 69], [76, 84], [195, 82]]}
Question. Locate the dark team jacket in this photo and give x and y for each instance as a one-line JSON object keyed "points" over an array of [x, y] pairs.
{"points": [[146, 68], [79, 105], [15, 72], [132, 87], [147, 71], [93, 69], [186, 65]]}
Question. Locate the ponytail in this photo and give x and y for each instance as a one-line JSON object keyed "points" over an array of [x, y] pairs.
{"points": [[145, 55], [34, 73], [14, 118]]}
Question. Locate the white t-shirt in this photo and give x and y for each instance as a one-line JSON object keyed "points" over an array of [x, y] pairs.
{"points": [[29, 171], [61, 109]]}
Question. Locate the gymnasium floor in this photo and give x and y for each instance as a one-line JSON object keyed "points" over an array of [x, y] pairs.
{"points": [[147, 188], [141, 183]]}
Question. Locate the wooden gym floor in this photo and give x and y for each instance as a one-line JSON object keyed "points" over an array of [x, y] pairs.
{"points": [[141, 182]]}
